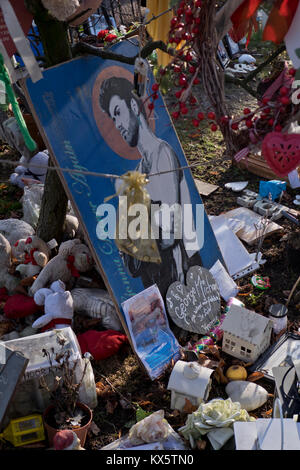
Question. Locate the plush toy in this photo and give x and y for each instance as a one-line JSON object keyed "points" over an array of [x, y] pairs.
{"points": [[61, 9], [34, 172], [6, 279], [66, 440], [101, 344], [58, 307], [14, 230], [33, 253], [73, 257]]}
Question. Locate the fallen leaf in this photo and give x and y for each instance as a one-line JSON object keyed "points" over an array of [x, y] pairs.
{"points": [[201, 444], [145, 403], [111, 406], [220, 377], [267, 414], [188, 407], [174, 414], [214, 350], [255, 376], [94, 428]]}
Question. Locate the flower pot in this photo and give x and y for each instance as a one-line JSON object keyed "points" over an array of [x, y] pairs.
{"points": [[80, 432]]}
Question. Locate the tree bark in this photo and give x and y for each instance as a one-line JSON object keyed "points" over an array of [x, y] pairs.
{"points": [[213, 76], [54, 37]]}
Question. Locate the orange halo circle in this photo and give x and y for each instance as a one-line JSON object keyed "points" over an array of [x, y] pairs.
{"points": [[105, 124]]}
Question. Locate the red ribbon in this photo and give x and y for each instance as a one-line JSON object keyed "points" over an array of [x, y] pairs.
{"points": [[280, 20], [277, 26], [71, 267], [56, 321], [29, 257]]}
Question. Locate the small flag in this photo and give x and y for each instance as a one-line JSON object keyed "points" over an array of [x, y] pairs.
{"points": [[242, 154]]}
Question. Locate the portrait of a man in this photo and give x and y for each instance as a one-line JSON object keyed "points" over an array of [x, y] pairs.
{"points": [[127, 112]]}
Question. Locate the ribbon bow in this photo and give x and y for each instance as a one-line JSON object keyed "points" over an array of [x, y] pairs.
{"points": [[71, 267], [29, 257]]}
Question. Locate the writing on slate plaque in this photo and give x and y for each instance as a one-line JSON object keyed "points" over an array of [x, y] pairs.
{"points": [[195, 306]]}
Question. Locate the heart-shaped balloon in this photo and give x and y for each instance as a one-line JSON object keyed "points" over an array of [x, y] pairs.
{"points": [[282, 152], [196, 306]]}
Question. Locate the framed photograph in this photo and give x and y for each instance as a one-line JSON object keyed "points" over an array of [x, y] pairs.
{"points": [[94, 125], [153, 341], [222, 55]]}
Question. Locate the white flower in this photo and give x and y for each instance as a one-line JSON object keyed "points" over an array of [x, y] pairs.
{"points": [[217, 413]]}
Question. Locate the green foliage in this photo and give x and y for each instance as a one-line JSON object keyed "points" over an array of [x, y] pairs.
{"points": [[253, 299], [141, 414]]}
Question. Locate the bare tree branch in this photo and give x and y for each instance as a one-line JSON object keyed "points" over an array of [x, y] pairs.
{"points": [[83, 48]]}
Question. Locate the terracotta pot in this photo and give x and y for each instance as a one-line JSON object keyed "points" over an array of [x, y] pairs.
{"points": [[80, 432]]}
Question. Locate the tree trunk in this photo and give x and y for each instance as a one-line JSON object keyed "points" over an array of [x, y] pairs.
{"points": [[54, 37], [212, 76]]}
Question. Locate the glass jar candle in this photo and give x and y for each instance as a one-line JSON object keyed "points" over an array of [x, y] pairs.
{"points": [[278, 315]]}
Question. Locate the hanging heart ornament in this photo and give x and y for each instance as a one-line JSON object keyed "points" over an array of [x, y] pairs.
{"points": [[281, 152]]}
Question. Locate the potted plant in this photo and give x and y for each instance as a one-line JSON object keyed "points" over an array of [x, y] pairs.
{"points": [[64, 411]]}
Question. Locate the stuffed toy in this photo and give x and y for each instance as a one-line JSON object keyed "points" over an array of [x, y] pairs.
{"points": [[61, 9], [96, 303], [58, 307], [101, 344], [14, 230], [66, 440], [6, 279], [33, 253], [33, 172], [73, 257], [20, 306]]}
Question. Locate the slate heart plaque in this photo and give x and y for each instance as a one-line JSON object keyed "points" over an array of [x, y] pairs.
{"points": [[195, 306]]}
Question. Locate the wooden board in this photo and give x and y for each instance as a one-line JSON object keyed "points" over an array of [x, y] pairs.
{"points": [[257, 164], [205, 189], [12, 367], [81, 136]]}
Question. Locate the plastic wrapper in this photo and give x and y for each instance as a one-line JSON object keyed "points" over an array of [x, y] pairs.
{"points": [[143, 248], [154, 428], [31, 201]]}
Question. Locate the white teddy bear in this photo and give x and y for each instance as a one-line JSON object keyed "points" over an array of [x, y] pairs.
{"points": [[33, 254], [6, 279], [36, 170], [58, 307], [73, 258]]}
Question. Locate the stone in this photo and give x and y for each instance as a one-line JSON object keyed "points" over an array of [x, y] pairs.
{"points": [[250, 395]]}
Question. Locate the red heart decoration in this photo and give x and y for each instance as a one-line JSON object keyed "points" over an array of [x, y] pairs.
{"points": [[282, 152]]}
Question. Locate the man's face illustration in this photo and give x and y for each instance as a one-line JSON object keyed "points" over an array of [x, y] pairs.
{"points": [[125, 120]]}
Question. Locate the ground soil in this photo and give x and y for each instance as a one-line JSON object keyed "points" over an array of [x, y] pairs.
{"points": [[123, 385]]}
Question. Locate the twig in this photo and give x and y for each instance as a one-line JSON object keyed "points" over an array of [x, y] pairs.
{"points": [[117, 391], [292, 292]]}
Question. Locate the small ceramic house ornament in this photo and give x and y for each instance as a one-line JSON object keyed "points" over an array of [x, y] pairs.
{"points": [[246, 334], [190, 381]]}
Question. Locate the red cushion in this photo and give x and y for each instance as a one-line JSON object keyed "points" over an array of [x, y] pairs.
{"points": [[19, 306], [101, 344]]}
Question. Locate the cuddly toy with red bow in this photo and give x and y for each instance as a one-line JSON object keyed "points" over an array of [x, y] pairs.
{"points": [[58, 307], [32, 253], [73, 258]]}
